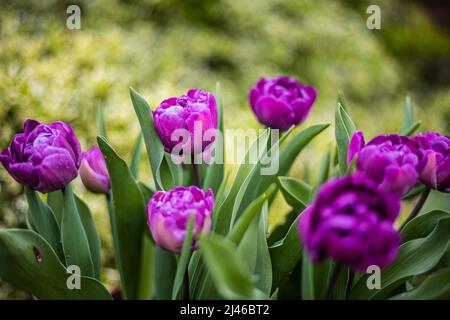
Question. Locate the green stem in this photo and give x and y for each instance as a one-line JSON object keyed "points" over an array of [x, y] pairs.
{"points": [[197, 176], [348, 289], [185, 293], [417, 207], [333, 278]]}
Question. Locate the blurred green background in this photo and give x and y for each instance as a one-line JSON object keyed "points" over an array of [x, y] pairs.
{"points": [[164, 47]]}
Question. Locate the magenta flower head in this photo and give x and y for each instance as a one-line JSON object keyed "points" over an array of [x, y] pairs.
{"points": [[281, 102], [351, 221], [394, 162], [436, 148], [45, 157], [194, 112], [168, 214], [93, 171]]}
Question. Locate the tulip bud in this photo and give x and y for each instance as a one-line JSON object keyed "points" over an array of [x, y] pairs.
{"points": [[281, 102], [45, 157], [93, 171], [168, 214], [196, 109], [436, 147]]}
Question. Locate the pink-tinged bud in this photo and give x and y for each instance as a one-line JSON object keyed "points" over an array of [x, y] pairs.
{"points": [[93, 171], [168, 214]]}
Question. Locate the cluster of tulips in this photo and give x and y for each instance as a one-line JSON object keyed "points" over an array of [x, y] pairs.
{"points": [[208, 238]]}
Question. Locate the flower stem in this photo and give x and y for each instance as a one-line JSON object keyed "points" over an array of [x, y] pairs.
{"points": [[185, 292], [197, 177], [417, 207], [333, 278], [351, 277]]}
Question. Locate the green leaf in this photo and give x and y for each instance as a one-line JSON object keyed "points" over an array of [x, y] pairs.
{"points": [[215, 171], [41, 218], [322, 174], [227, 211], [230, 275], [285, 254], [254, 250], [165, 269], [410, 124], [435, 286], [55, 200], [344, 128], [136, 157], [287, 156], [127, 217], [146, 277], [74, 239], [314, 278], [101, 121], [247, 217], [146, 191], [414, 257], [92, 235], [155, 149], [295, 192], [421, 226], [280, 231], [37, 269], [184, 259]]}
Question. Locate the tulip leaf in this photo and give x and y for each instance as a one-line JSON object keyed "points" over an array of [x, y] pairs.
{"points": [[136, 156], [229, 273], [73, 235], [127, 217], [215, 171], [101, 122], [91, 233], [410, 125], [146, 277], [165, 270], [147, 192], [285, 254], [226, 213], [435, 286], [254, 250], [184, 259], [322, 174], [414, 257], [280, 231], [287, 155], [247, 216], [37, 269], [43, 221], [421, 226], [314, 278], [295, 192], [344, 129], [155, 148]]}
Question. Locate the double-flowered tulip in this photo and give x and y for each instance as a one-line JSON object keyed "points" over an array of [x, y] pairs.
{"points": [[392, 161], [351, 221], [436, 148], [168, 214], [45, 157], [93, 171], [195, 109], [281, 102]]}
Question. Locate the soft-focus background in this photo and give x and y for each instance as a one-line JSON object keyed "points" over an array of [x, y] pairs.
{"points": [[163, 47]]}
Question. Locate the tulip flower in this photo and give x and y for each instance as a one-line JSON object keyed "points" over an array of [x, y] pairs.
{"points": [[168, 214], [281, 102], [392, 161], [436, 147], [195, 109], [45, 157], [351, 221]]}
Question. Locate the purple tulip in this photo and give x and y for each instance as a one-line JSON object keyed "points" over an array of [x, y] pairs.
{"points": [[168, 214], [351, 221], [45, 157], [93, 171], [281, 102], [436, 147], [184, 112], [392, 161]]}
